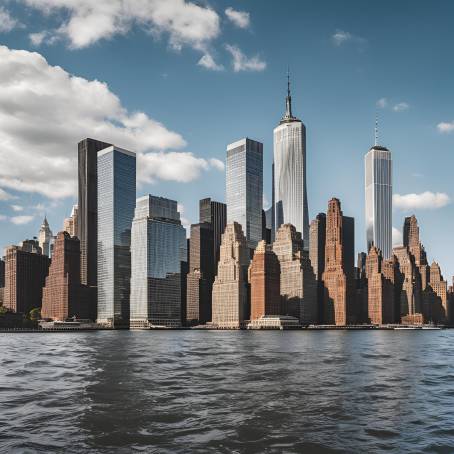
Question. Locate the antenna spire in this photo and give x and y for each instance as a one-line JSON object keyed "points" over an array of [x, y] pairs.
{"points": [[288, 100], [376, 129]]}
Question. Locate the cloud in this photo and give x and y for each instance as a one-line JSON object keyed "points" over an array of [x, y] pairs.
{"points": [[21, 220], [400, 107], [3, 217], [382, 103], [217, 164], [426, 200], [446, 127], [265, 202], [341, 37], [184, 221], [397, 238], [239, 18], [7, 22], [85, 22], [17, 208], [45, 112], [5, 196], [208, 62], [242, 63]]}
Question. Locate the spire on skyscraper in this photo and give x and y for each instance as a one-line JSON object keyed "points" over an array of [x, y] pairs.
{"points": [[288, 116], [376, 129]]}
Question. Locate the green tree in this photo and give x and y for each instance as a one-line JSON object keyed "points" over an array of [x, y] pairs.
{"points": [[35, 314]]}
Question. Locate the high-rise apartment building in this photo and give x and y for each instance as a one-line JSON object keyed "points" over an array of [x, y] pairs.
{"points": [[244, 187], [264, 279], [339, 302], [45, 238], [298, 280], [25, 273], [201, 274], [158, 249], [87, 220], [62, 291], [230, 288], [378, 195], [116, 176], [289, 173]]}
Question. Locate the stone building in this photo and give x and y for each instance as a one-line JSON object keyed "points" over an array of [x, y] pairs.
{"points": [[317, 239], [45, 238], [62, 292], [437, 296], [339, 295], [230, 288], [264, 279], [70, 224], [298, 280]]}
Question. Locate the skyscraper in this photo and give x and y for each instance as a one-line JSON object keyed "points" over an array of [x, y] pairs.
{"points": [[379, 193], [88, 208], [244, 187], [158, 248], [289, 173], [115, 208], [70, 224], [45, 238], [230, 288]]}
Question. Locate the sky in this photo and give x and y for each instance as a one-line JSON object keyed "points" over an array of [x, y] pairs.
{"points": [[177, 81]]}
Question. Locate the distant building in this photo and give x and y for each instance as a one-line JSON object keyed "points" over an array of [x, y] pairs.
{"points": [[339, 302], [70, 224], [230, 288], [437, 294], [25, 273], [317, 240], [115, 207], [378, 194], [298, 280], [45, 238], [264, 279], [244, 187], [158, 249], [289, 173], [62, 291], [201, 274]]}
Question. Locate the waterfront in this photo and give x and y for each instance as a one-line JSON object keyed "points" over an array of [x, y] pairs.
{"points": [[227, 391]]}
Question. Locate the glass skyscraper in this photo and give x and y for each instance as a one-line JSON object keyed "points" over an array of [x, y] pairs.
{"points": [[116, 202], [289, 173], [244, 187], [158, 248], [379, 192]]}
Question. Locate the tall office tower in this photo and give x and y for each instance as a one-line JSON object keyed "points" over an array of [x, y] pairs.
{"points": [[298, 280], [62, 292], [45, 238], [378, 196], [410, 295], [158, 249], [214, 213], [392, 274], [25, 273], [264, 279], [230, 288], [244, 188], [380, 290], [88, 209], [116, 202], [201, 274], [317, 238], [70, 224], [338, 303], [437, 295], [290, 192]]}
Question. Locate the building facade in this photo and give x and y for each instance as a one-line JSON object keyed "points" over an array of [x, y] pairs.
{"points": [[289, 173], [158, 249], [116, 175], [244, 187], [230, 289], [378, 195], [45, 238], [70, 224]]}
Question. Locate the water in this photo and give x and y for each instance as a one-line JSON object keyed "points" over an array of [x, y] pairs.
{"points": [[227, 391]]}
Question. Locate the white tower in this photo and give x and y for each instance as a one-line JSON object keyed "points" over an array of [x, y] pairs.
{"points": [[45, 237]]}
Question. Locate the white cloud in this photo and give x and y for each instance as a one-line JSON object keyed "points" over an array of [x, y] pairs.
{"points": [[217, 164], [184, 221], [426, 200], [5, 196], [265, 202], [85, 22], [341, 37], [397, 238], [17, 208], [7, 23], [21, 220], [44, 112], [239, 18], [382, 103], [446, 127], [207, 61], [3, 217], [243, 63], [400, 107]]}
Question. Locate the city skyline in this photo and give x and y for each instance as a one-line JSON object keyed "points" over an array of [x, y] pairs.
{"points": [[412, 122]]}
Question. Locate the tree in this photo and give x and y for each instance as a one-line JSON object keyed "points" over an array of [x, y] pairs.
{"points": [[35, 314]]}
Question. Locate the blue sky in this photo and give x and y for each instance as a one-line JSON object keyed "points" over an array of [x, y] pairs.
{"points": [[181, 81]]}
